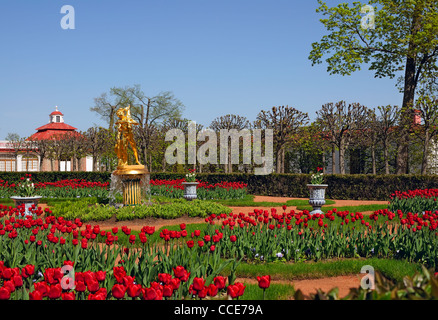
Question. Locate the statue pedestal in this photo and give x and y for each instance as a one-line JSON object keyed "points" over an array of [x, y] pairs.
{"points": [[134, 179]]}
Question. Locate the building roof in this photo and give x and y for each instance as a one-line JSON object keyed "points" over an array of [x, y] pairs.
{"points": [[53, 129], [56, 126], [56, 112], [50, 134]]}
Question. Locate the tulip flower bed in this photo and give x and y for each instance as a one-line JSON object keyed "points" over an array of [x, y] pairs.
{"points": [[415, 201], [299, 236], [73, 188], [205, 191], [53, 258]]}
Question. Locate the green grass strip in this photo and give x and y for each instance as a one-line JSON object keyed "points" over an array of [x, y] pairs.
{"points": [[361, 208], [274, 292], [393, 269]]}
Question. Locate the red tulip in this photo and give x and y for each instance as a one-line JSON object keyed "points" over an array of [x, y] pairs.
{"points": [[42, 287], [80, 286], [164, 278], [55, 291], [100, 275], [34, 295], [93, 286], [264, 281], [68, 296], [203, 293], [175, 282], [212, 290], [152, 294], [167, 290], [5, 294], [118, 291], [198, 283], [9, 285], [134, 290], [18, 281], [219, 282], [232, 291]]}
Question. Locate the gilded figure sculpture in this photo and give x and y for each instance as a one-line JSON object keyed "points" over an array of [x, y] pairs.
{"points": [[125, 136]]}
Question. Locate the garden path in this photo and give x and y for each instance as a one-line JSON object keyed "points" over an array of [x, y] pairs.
{"points": [[310, 286]]}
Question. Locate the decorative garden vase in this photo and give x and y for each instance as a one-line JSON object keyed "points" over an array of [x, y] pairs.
{"points": [[317, 197], [27, 201], [190, 190]]}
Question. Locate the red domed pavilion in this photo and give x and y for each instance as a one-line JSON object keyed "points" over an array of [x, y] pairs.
{"points": [[30, 158], [55, 127]]}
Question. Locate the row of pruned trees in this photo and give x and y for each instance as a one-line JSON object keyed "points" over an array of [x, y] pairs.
{"points": [[348, 136], [343, 133]]}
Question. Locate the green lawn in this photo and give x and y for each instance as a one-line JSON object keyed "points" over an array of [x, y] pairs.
{"points": [[361, 208], [248, 201]]}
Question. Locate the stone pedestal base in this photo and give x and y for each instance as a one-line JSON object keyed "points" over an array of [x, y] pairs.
{"points": [[132, 177]]}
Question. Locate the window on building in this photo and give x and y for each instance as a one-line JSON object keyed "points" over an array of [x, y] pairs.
{"points": [[58, 119], [29, 164], [7, 163]]}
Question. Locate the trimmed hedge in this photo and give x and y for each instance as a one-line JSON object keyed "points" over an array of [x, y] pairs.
{"points": [[353, 187], [53, 176]]}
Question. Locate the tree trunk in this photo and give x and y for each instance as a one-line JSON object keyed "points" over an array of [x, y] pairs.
{"points": [[373, 158], [408, 96], [40, 166], [386, 155], [424, 162], [333, 159], [163, 164], [342, 159], [278, 170], [282, 160], [230, 165], [94, 163], [111, 120], [323, 162]]}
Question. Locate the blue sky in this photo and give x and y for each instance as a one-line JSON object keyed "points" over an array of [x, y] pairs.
{"points": [[217, 57]]}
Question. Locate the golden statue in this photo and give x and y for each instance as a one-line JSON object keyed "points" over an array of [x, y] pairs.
{"points": [[125, 136], [134, 177]]}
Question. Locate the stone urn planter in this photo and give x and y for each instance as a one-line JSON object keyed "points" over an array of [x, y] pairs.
{"points": [[317, 197], [190, 190], [27, 201]]}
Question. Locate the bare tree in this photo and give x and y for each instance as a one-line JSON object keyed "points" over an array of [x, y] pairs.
{"points": [[95, 143], [150, 111], [229, 122], [285, 122], [16, 144], [427, 108], [385, 128], [341, 121]]}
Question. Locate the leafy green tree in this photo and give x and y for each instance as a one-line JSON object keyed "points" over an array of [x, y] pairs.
{"points": [[106, 104], [397, 38]]}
